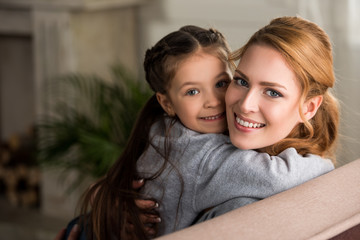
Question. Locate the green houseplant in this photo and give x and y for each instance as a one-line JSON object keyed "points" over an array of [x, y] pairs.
{"points": [[90, 121]]}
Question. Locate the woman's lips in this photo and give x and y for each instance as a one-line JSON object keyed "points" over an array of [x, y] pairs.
{"points": [[248, 123]]}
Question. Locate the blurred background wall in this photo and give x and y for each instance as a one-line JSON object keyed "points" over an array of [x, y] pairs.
{"points": [[239, 19], [40, 39]]}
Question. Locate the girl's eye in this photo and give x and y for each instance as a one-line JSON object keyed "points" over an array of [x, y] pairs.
{"points": [[222, 84], [192, 92], [273, 93], [241, 82]]}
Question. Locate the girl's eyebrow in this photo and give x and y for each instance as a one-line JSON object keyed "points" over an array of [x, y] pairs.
{"points": [[187, 84], [222, 74], [266, 84]]}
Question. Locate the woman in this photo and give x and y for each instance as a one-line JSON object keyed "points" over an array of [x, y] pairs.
{"points": [[279, 98], [291, 60]]}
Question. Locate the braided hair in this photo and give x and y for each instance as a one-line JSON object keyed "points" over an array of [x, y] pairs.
{"points": [[162, 60]]}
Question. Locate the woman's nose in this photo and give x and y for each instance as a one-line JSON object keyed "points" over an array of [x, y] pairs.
{"points": [[249, 103]]}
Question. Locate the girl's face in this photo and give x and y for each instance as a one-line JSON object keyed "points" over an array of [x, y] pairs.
{"points": [[197, 93], [262, 100]]}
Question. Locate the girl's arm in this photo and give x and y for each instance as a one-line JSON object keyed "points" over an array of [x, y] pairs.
{"points": [[229, 173]]}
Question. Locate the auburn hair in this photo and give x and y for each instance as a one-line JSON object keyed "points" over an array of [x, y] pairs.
{"points": [[307, 50]]}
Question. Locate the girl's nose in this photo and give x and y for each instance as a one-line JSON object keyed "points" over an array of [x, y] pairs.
{"points": [[213, 100]]}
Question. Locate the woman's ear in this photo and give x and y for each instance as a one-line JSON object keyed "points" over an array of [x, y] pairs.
{"points": [[311, 106], [165, 103]]}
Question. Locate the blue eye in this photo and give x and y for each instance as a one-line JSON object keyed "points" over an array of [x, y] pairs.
{"points": [[192, 92], [221, 84], [273, 93], [241, 82]]}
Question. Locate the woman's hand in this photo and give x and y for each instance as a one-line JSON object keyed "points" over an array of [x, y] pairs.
{"points": [[150, 216]]}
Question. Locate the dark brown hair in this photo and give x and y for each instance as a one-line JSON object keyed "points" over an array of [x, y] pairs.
{"points": [[110, 203]]}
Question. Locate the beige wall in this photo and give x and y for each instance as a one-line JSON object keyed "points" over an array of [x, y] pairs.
{"points": [[16, 81], [103, 39]]}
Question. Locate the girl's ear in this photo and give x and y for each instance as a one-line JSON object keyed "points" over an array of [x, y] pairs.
{"points": [[311, 106], [165, 103]]}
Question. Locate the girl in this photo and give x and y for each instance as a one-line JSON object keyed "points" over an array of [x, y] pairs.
{"points": [[188, 167]]}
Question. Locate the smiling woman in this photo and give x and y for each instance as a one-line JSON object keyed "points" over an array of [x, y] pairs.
{"points": [[297, 55], [280, 97], [263, 100], [191, 172]]}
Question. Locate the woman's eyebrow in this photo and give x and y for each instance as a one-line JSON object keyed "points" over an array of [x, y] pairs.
{"points": [[272, 84], [242, 74], [263, 83]]}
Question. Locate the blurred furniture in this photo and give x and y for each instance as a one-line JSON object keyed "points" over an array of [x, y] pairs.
{"points": [[327, 207], [42, 39], [19, 172]]}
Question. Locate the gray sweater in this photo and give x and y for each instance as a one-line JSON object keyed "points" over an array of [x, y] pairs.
{"points": [[206, 170]]}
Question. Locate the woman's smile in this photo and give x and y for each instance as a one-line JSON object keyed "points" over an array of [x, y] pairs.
{"points": [[262, 100], [247, 123]]}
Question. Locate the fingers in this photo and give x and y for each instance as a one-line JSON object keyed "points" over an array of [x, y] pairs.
{"points": [[150, 218], [60, 234], [146, 204], [136, 184], [150, 230]]}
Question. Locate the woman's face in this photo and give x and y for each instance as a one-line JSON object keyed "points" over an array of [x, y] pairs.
{"points": [[262, 101]]}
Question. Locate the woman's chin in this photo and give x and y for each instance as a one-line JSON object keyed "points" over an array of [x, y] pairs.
{"points": [[241, 144], [247, 144]]}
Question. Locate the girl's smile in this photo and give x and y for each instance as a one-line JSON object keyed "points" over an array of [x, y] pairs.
{"points": [[197, 93], [216, 117]]}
